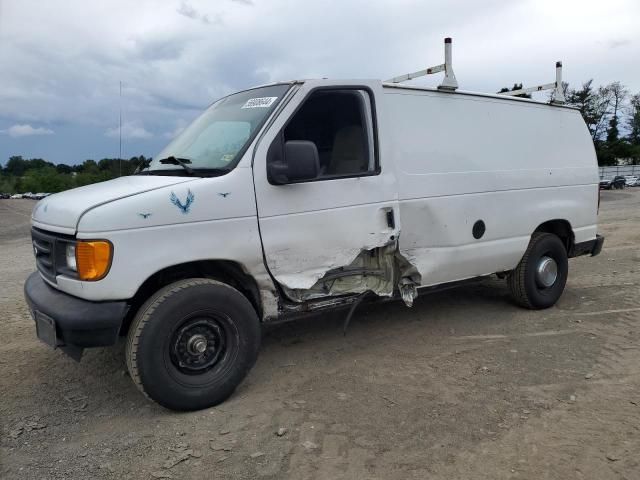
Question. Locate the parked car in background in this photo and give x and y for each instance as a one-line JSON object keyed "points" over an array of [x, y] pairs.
{"points": [[606, 183], [4, 196], [17, 195], [632, 180], [617, 182]]}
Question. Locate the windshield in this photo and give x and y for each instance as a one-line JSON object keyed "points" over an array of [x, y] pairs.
{"points": [[216, 140]]}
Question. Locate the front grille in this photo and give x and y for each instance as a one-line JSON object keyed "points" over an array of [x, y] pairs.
{"points": [[49, 249]]}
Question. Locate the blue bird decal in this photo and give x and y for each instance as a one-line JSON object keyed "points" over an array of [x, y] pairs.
{"points": [[224, 195], [145, 215], [184, 207]]}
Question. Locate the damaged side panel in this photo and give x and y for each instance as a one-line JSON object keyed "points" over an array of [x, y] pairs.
{"points": [[379, 270], [333, 237], [317, 248]]}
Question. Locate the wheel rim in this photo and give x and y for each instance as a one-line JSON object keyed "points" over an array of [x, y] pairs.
{"points": [[199, 345], [546, 272]]}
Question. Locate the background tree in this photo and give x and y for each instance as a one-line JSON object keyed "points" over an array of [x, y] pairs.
{"points": [[593, 104], [16, 166], [45, 179], [601, 107], [613, 150], [64, 168], [633, 124], [22, 175], [617, 94]]}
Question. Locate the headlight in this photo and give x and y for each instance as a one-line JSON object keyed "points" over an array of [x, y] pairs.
{"points": [[71, 257], [92, 259]]}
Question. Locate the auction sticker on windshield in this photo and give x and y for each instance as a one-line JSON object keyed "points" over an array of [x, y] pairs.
{"points": [[260, 102]]}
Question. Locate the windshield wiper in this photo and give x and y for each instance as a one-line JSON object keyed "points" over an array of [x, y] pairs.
{"points": [[178, 161], [144, 164]]}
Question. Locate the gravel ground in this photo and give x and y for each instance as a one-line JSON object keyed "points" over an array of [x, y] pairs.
{"points": [[463, 385]]}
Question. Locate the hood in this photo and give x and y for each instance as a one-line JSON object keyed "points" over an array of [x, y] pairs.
{"points": [[64, 210]]}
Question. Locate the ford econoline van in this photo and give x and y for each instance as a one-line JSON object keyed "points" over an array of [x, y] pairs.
{"points": [[305, 196]]}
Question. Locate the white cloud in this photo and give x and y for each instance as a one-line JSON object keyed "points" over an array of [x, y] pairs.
{"points": [[25, 130], [129, 130]]}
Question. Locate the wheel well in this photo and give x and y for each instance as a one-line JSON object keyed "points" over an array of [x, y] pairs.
{"points": [[560, 228], [225, 271]]}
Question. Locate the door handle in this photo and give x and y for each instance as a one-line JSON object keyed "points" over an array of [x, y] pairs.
{"points": [[391, 219]]}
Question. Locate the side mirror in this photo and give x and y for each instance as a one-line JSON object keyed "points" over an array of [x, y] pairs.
{"points": [[301, 162]]}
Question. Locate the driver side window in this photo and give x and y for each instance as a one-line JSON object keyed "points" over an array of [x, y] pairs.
{"points": [[339, 123]]}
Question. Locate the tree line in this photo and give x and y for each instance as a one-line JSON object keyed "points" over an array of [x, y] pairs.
{"points": [[611, 112], [21, 175]]}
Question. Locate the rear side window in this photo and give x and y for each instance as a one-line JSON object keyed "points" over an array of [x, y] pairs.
{"points": [[339, 122]]}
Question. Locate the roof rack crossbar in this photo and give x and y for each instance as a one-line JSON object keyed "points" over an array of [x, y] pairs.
{"points": [[558, 94], [449, 82]]}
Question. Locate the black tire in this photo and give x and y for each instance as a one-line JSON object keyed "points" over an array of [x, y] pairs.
{"points": [[525, 288], [162, 357]]}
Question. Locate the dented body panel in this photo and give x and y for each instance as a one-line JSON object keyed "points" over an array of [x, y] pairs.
{"points": [[311, 229]]}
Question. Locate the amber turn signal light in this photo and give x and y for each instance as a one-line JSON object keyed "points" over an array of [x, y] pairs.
{"points": [[93, 259]]}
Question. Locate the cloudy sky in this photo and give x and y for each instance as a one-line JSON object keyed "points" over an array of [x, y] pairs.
{"points": [[61, 61]]}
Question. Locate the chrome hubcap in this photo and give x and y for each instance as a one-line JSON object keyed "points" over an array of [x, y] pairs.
{"points": [[546, 272]]}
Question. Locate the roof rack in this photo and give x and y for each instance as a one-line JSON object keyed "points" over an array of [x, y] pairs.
{"points": [[558, 93], [450, 84]]}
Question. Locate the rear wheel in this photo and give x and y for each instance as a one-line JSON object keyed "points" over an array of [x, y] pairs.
{"points": [[192, 343], [540, 277]]}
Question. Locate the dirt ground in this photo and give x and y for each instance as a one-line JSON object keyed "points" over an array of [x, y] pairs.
{"points": [[463, 385]]}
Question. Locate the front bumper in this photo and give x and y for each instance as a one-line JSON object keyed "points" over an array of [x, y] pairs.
{"points": [[71, 323], [591, 247]]}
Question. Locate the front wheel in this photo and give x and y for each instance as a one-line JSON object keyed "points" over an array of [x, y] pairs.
{"points": [[192, 343], [539, 279]]}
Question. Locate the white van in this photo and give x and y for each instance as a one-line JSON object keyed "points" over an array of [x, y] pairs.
{"points": [[304, 196]]}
